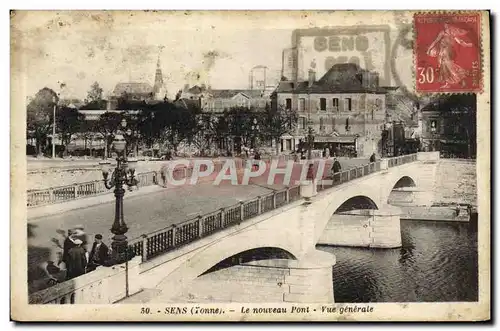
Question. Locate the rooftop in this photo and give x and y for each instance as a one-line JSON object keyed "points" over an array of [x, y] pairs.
{"points": [[341, 78], [132, 88]]}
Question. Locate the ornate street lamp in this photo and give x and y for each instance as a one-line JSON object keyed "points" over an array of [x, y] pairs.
{"points": [[255, 129], [123, 174]]}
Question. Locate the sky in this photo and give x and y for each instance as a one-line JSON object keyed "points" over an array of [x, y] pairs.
{"points": [[79, 48]]}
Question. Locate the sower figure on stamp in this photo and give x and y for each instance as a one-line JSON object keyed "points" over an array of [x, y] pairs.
{"points": [[442, 48]]}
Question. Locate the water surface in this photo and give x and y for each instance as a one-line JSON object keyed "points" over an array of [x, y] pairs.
{"points": [[437, 262]]}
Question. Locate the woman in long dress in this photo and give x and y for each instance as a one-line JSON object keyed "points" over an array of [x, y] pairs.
{"points": [[442, 48]]}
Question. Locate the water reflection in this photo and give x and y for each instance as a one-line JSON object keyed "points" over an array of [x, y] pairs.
{"points": [[437, 262]]}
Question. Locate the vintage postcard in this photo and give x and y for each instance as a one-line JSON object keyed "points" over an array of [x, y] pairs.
{"points": [[250, 166]]}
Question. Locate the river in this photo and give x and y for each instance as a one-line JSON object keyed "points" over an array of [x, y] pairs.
{"points": [[437, 262]]}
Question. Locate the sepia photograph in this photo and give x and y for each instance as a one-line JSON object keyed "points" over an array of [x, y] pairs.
{"points": [[250, 166]]}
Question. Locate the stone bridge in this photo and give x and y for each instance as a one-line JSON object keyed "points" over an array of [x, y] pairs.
{"points": [[352, 210]]}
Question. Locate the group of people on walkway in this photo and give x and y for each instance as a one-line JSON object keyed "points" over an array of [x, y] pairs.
{"points": [[76, 259]]}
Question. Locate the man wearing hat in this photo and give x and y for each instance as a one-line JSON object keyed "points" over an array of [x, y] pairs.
{"points": [[77, 262], [98, 254], [67, 245], [79, 233]]}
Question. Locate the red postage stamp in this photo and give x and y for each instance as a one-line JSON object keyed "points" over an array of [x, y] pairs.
{"points": [[448, 52]]}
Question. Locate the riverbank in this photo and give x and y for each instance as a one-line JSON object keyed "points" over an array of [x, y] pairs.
{"points": [[434, 213]]}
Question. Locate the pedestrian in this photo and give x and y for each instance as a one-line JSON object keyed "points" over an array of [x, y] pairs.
{"points": [[99, 254], [256, 160], [372, 158], [310, 172], [77, 262], [79, 233], [303, 155], [67, 245], [54, 274], [336, 167]]}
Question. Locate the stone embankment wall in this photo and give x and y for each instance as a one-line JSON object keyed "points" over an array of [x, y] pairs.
{"points": [[456, 182], [49, 177]]}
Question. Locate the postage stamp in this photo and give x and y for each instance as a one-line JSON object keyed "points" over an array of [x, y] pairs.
{"points": [[448, 52], [167, 167]]}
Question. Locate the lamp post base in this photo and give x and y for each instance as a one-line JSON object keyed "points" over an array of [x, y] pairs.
{"points": [[119, 247]]}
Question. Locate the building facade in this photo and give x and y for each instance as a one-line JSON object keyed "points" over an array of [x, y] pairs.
{"points": [[218, 100], [345, 107], [449, 126]]}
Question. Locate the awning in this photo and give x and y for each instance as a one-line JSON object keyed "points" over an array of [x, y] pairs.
{"points": [[335, 139]]}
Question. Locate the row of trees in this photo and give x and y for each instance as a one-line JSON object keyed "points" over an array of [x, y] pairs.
{"points": [[165, 123], [169, 125]]}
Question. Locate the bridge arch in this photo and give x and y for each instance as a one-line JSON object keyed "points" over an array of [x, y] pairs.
{"points": [[255, 254], [355, 203], [405, 181], [401, 191], [189, 267]]}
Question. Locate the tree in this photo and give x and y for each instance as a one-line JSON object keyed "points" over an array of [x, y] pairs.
{"points": [[107, 125], [86, 133], [179, 125], [95, 93], [239, 120], [68, 122], [221, 131], [40, 116], [278, 122], [205, 132]]}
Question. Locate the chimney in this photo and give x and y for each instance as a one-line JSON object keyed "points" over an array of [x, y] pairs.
{"points": [[312, 77], [186, 87]]}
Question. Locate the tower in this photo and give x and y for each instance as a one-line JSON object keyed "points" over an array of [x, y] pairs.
{"points": [[258, 78], [158, 88]]}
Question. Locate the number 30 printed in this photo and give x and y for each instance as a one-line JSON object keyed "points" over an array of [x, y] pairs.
{"points": [[425, 75]]}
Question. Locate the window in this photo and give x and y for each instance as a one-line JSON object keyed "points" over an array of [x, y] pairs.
{"points": [[322, 103], [288, 103], [348, 104], [378, 104], [336, 104], [302, 122], [433, 126], [321, 124], [347, 126], [302, 104], [333, 123]]}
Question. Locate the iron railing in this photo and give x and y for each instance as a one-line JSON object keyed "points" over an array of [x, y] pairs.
{"points": [[66, 193], [177, 235]]}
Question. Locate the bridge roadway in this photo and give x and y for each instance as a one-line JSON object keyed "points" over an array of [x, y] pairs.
{"points": [[144, 214]]}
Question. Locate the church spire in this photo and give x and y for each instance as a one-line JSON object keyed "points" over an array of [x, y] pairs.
{"points": [[158, 89]]}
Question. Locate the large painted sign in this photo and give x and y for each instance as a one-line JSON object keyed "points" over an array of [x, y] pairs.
{"points": [[321, 48]]}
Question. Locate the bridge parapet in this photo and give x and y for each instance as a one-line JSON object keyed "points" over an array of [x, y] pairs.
{"points": [[105, 285]]}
